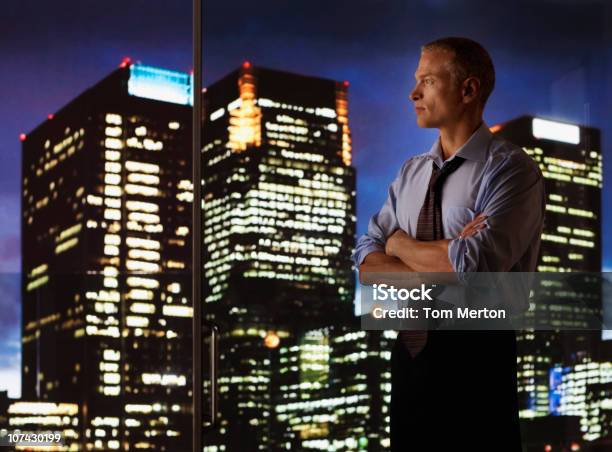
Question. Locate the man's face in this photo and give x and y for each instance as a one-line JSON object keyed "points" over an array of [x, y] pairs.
{"points": [[436, 96]]}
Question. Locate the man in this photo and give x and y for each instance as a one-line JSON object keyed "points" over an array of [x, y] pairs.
{"points": [[472, 203]]}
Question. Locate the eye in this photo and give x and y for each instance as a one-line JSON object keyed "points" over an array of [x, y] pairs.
{"points": [[428, 81]]}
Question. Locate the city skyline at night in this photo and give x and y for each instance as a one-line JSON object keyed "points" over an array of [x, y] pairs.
{"points": [[284, 125], [108, 287], [54, 54]]}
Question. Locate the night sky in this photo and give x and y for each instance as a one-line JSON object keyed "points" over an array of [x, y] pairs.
{"points": [[552, 58]]}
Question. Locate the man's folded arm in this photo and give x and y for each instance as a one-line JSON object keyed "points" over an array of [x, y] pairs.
{"points": [[369, 254], [514, 203], [379, 262]]}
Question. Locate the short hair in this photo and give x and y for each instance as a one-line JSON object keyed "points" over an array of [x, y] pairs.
{"points": [[471, 60]]}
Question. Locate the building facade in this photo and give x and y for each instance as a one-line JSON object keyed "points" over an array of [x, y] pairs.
{"points": [[278, 232], [105, 243], [570, 159], [279, 189]]}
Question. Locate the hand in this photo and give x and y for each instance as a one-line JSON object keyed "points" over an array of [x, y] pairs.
{"points": [[394, 240], [474, 226]]}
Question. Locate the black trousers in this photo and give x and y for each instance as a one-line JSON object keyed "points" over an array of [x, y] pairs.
{"points": [[458, 394]]}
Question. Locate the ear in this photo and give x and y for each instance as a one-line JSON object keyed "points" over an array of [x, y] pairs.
{"points": [[470, 89]]}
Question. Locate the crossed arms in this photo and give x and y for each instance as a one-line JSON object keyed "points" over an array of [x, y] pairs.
{"points": [[512, 206], [405, 254]]}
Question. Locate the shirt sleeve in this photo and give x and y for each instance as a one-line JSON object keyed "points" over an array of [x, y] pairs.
{"points": [[514, 201], [381, 224]]}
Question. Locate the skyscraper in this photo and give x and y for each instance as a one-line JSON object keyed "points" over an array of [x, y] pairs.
{"points": [[278, 232], [279, 190], [105, 243], [569, 157]]}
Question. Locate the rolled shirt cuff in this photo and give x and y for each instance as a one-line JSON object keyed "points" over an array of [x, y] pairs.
{"points": [[360, 254]]}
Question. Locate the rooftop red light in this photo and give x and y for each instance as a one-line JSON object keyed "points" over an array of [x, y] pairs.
{"points": [[246, 64], [346, 83], [22, 137], [50, 116], [125, 62]]}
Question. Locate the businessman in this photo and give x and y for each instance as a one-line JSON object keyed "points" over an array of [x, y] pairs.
{"points": [[472, 203]]}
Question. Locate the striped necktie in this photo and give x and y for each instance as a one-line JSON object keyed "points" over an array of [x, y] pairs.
{"points": [[429, 227]]}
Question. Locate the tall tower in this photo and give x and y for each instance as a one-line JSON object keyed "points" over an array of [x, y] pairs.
{"points": [[279, 190], [570, 159], [106, 220], [278, 232], [569, 156]]}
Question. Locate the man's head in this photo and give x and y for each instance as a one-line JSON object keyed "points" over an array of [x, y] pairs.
{"points": [[454, 79]]}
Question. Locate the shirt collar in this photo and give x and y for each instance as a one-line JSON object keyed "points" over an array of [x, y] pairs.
{"points": [[475, 148]]}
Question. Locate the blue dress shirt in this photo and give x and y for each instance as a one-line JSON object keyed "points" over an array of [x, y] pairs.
{"points": [[498, 179]]}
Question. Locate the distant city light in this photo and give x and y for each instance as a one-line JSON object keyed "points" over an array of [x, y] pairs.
{"points": [[271, 340], [50, 116], [22, 136], [125, 62], [160, 84], [557, 131], [46, 408], [246, 64]]}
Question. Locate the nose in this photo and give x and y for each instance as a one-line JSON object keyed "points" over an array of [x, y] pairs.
{"points": [[415, 94]]}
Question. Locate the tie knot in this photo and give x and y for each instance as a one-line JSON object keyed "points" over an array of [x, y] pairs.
{"points": [[447, 168]]}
